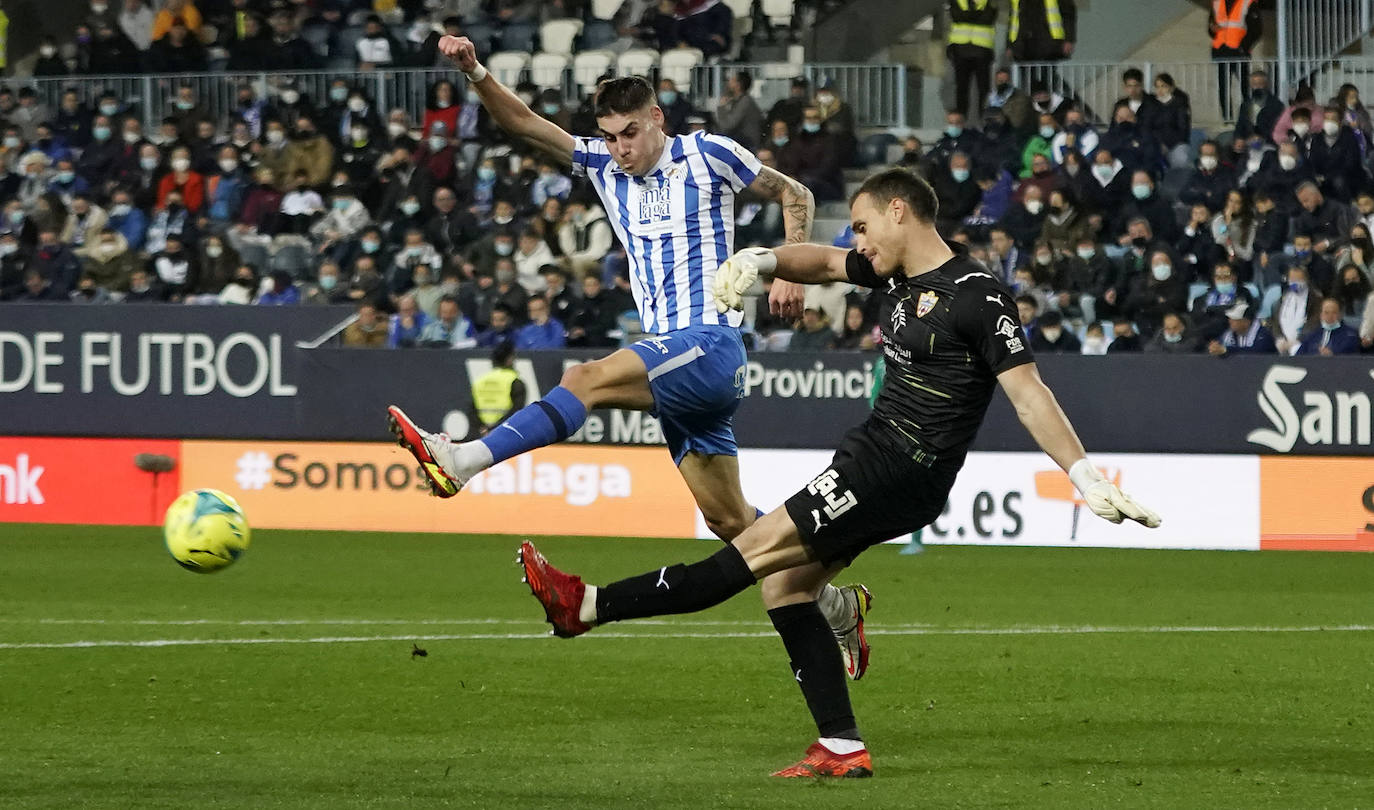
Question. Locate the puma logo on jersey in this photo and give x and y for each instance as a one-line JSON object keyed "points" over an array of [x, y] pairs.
{"points": [[663, 579], [996, 299]]}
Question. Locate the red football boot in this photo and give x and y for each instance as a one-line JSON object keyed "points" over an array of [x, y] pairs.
{"points": [[822, 762], [559, 593]]}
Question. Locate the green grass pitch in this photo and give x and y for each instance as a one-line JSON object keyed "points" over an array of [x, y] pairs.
{"points": [[1055, 678]]}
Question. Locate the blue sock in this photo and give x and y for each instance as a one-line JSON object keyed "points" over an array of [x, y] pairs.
{"points": [[758, 513], [549, 421]]}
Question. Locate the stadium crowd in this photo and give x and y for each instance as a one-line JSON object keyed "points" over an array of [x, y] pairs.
{"points": [[1132, 235]]}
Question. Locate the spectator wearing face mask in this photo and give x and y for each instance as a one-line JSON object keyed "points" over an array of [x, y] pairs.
{"points": [[550, 183], [1296, 312], [530, 256], [1172, 337], [1050, 336], [1260, 112], [1077, 135], [1352, 292], [585, 237], [1303, 254], [345, 220], [1335, 157], [1108, 186], [326, 289], [1001, 145], [1300, 132], [1303, 99], [85, 221], [311, 153], [218, 261], [377, 48], [1209, 309], [1196, 247], [359, 155], [109, 262], [812, 157], [182, 180], [675, 108], [1094, 341], [144, 288], [957, 137], [49, 63], [368, 330], [1145, 202], [414, 252], [1331, 336], [176, 268], [1210, 182], [1064, 226], [959, 195], [441, 106], [438, 156], [1025, 221], [1136, 148], [282, 293]]}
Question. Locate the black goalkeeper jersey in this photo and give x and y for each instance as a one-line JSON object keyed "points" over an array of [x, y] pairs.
{"points": [[947, 334]]}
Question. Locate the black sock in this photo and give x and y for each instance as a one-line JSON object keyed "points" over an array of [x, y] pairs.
{"points": [[676, 588], [818, 667]]}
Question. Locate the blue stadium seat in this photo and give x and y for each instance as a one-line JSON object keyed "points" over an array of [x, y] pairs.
{"points": [[597, 34], [481, 35], [519, 37]]}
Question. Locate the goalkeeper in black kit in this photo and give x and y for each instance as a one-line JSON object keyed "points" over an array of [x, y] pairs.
{"points": [[950, 335]]}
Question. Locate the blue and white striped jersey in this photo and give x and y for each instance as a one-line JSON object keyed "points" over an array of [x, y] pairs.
{"points": [[677, 223]]}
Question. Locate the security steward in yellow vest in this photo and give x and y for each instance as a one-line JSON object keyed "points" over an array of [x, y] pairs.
{"points": [[1041, 30], [1235, 26], [973, 25], [500, 392]]}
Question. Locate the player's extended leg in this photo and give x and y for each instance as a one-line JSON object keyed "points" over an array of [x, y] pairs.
{"points": [[715, 484], [617, 381], [770, 546]]}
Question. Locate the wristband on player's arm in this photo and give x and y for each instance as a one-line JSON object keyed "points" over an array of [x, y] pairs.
{"points": [[477, 74], [1083, 474]]}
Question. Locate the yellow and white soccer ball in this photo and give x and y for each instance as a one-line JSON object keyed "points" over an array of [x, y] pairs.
{"points": [[205, 530]]}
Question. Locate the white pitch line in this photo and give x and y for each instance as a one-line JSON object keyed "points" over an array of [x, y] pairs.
{"points": [[351, 622], [924, 631]]}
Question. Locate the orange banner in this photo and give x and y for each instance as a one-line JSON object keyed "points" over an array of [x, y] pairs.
{"points": [[83, 481], [566, 490], [1317, 504]]}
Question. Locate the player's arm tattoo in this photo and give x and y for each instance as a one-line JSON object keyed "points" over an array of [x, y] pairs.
{"points": [[798, 204]]}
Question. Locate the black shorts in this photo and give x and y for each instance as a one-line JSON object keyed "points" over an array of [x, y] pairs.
{"points": [[874, 490]]}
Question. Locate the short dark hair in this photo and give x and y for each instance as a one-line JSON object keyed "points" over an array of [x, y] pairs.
{"points": [[504, 353], [1133, 74], [745, 79], [449, 299], [900, 184], [623, 95], [1051, 318]]}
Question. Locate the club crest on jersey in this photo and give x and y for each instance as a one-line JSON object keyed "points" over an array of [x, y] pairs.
{"points": [[926, 303]]}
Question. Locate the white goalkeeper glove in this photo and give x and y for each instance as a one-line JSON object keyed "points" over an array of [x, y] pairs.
{"points": [[736, 276], [1105, 499]]}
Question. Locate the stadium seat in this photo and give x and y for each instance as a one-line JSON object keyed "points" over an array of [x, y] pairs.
{"points": [[1270, 300], [605, 9], [779, 12], [637, 62], [1198, 288], [588, 66], [508, 65], [547, 69], [519, 37], [318, 37], [347, 43], [481, 35], [598, 34], [557, 36], [677, 65]]}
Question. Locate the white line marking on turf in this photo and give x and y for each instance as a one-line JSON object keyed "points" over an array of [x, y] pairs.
{"points": [[923, 631]]}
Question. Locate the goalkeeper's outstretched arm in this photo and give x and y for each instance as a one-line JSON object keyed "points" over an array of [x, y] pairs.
{"points": [[810, 264], [1039, 411]]}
